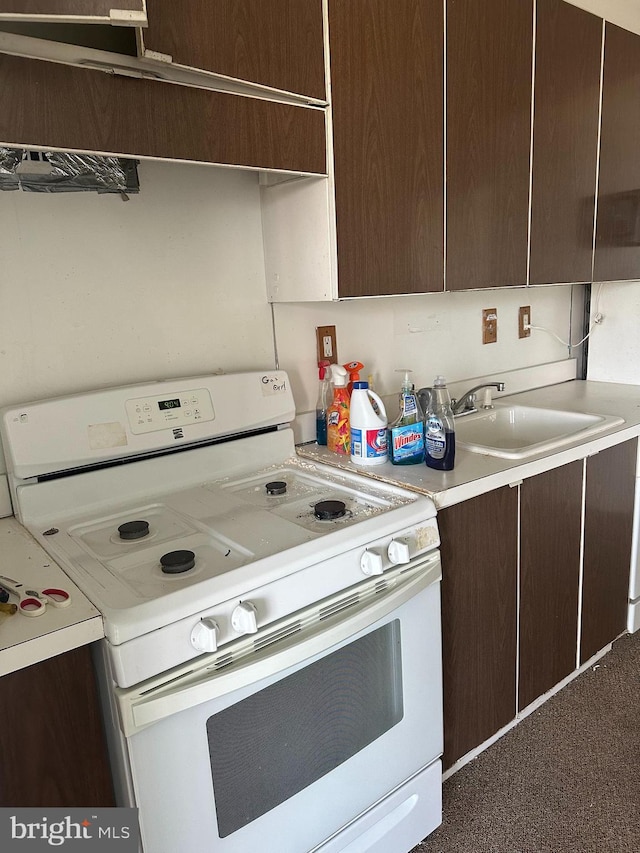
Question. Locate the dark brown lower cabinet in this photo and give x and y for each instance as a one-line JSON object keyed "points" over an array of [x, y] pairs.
{"points": [[550, 531], [479, 563], [52, 747], [610, 487], [486, 626]]}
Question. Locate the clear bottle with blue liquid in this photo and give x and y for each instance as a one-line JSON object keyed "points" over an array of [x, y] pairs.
{"points": [[322, 403]]}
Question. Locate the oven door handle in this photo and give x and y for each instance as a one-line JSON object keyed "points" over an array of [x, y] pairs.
{"points": [[163, 696]]}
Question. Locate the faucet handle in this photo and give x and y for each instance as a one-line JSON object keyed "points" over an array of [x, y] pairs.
{"points": [[424, 397], [468, 401]]}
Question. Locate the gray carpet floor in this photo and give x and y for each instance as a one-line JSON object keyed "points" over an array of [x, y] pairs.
{"points": [[565, 780]]}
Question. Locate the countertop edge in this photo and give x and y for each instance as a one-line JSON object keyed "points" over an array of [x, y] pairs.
{"points": [[49, 645], [476, 474]]}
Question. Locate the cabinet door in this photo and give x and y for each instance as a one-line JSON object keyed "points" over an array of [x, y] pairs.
{"points": [[276, 43], [479, 560], [386, 64], [550, 534], [565, 142], [124, 12], [52, 748], [39, 106], [618, 221], [489, 48], [610, 488]]}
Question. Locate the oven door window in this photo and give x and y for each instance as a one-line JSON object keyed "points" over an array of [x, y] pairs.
{"points": [[267, 747]]}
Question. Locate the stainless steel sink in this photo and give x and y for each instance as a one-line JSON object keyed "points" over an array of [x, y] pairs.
{"points": [[512, 431]]}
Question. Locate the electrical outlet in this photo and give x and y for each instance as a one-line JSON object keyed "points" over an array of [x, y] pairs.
{"points": [[489, 325], [524, 319], [327, 347]]}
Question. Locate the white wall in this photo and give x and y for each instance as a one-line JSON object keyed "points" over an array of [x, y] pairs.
{"points": [[614, 346], [95, 291], [432, 334]]}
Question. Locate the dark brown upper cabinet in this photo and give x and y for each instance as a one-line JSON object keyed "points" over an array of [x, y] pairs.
{"points": [[39, 106], [489, 68], [131, 13], [387, 105], [274, 43], [617, 254], [565, 142]]}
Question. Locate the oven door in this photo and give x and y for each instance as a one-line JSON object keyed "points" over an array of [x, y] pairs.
{"points": [[286, 740]]}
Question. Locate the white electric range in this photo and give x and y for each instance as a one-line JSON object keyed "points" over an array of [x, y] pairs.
{"points": [[272, 626]]}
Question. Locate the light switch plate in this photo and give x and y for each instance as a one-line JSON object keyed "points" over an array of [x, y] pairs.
{"points": [[489, 325], [524, 318]]}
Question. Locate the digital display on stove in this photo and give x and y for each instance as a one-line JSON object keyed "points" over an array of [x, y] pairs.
{"points": [[165, 405]]}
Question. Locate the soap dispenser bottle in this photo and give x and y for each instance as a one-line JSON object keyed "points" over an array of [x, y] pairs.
{"points": [[338, 426], [406, 432], [439, 433]]}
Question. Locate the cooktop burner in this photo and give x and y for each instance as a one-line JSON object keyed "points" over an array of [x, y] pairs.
{"points": [[276, 487], [177, 562], [329, 510], [133, 530]]}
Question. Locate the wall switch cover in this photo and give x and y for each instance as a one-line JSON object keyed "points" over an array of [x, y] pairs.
{"points": [[524, 319], [489, 325], [327, 348]]}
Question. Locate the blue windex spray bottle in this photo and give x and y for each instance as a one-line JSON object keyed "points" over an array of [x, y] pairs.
{"points": [[406, 433]]}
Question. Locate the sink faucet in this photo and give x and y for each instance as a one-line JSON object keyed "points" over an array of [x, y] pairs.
{"points": [[466, 404]]}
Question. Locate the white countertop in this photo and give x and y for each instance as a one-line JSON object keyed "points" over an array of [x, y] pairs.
{"points": [[474, 473], [27, 640]]}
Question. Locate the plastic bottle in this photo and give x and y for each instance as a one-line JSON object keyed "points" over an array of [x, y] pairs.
{"points": [[368, 427], [322, 402], [439, 434], [338, 437], [406, 432]]}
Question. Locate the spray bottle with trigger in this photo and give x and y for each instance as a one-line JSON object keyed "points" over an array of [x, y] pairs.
{"points": [[322, 402], [338, 429]]}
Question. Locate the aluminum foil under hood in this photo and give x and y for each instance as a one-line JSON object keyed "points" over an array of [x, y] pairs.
{"points": [[55, 171]]}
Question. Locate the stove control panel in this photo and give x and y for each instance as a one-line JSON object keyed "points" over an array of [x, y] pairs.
{"points": [[150, 414]]}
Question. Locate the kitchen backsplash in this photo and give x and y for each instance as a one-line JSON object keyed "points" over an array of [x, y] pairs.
{"points": [[96, 292]]}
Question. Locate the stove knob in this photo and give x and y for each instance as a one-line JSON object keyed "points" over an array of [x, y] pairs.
{"points": [[398, 551], [204, 636], [243, 618], [371, 563]]}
